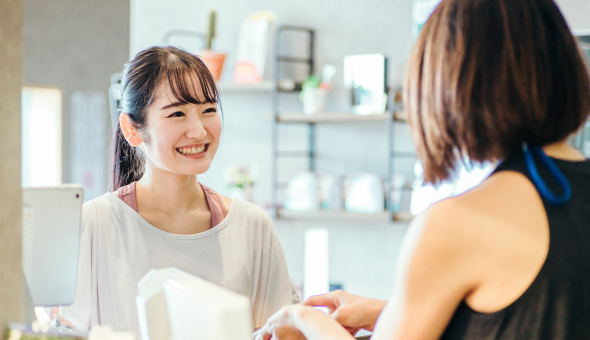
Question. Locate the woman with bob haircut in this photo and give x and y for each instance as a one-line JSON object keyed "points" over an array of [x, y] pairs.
{"points": [[159, 215], [502, 81]]}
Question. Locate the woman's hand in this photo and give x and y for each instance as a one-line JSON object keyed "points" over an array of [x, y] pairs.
{"points": [[351, 311], [280, 326], [299, 322]]}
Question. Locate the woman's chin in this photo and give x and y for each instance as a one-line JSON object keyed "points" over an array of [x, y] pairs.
{"points": [[194, 170]]}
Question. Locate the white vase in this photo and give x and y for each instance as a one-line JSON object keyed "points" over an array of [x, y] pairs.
{"points": [[314, 101]]}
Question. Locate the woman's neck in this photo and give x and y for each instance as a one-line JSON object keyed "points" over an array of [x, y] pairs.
{"points": [[168, 192], [562, 150]]}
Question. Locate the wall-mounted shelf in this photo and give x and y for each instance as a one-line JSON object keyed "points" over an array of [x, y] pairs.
{"points": [[336, 216], [330, 117], [331, 216], [264, 86]]}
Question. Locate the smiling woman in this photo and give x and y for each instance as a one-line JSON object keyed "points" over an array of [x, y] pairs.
{"points": [[159, 215], [181, 82]]}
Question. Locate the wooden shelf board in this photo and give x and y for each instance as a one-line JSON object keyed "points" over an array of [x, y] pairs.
{"points": [[331, 117], [264, 86], [340, 216]]}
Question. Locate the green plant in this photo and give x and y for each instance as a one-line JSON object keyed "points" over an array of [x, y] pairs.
{"points": [[211, 32], [312, 82]]}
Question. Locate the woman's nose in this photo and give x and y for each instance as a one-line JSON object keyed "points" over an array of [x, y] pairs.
{"points": [[196, 129]]}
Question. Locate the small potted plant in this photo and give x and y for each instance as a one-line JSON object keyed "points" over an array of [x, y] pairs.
{"points": [[314, 91], [213, 60]]}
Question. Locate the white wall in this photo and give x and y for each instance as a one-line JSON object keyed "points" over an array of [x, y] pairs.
{"points": [[577, 13], [362, 254], [74, 46], [343, 28]]}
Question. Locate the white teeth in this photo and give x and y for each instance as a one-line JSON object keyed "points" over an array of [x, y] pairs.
{"points": [[191, 151]]}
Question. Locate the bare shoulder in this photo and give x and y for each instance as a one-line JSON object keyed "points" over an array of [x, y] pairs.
{"points": [[503, 197], [505, 204], [498, 214], [494, 239]]}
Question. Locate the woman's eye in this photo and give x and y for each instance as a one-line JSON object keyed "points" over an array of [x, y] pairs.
{"points": [[209, 110], [176, 114]]}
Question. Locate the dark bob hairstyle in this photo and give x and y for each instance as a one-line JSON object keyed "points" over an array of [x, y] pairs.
{"points": [[487, 76]]}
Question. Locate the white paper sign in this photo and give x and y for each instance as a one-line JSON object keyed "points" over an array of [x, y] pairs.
{"points": [[89, 142], [252, 49]]}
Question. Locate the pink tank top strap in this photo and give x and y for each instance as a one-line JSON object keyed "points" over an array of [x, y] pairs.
{"points": [[216, 206], [127, 195]]}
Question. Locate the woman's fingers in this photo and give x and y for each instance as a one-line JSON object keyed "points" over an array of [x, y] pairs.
{"points": [[326, 300], [352, 330], [279, 327], [281, 333], [262, 333], [350, 318]]}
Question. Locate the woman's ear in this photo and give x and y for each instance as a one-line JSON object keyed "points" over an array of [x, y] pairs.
{"points": [[129, 130]]}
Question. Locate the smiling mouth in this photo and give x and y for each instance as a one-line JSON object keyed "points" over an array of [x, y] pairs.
{"points": [[193, 150]]}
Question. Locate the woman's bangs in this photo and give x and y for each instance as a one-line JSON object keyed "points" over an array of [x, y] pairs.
{"points": [[184, 81]]}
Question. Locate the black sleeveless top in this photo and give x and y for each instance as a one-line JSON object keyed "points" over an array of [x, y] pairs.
{"points": [[557, 303]]}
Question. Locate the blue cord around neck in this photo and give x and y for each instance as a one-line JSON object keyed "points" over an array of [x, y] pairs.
{"points": [[542, 188]]}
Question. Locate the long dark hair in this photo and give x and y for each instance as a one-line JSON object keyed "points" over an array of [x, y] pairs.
{"points": [[141, 79], [486, 76]]}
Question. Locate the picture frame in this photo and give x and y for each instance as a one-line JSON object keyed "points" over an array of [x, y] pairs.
{"points": [[365, 77]]}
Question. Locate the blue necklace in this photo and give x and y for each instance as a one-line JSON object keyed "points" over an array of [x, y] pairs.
{"points": [[543, 189]]}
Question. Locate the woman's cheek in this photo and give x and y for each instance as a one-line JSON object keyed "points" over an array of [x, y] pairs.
{"points": [[215, 127], [165, 139]]}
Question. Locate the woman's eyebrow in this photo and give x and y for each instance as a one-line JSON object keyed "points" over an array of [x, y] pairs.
{"points": [[172, 105]]}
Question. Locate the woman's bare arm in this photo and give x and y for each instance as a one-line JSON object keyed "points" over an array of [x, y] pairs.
{"points": [[433, 276]]}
